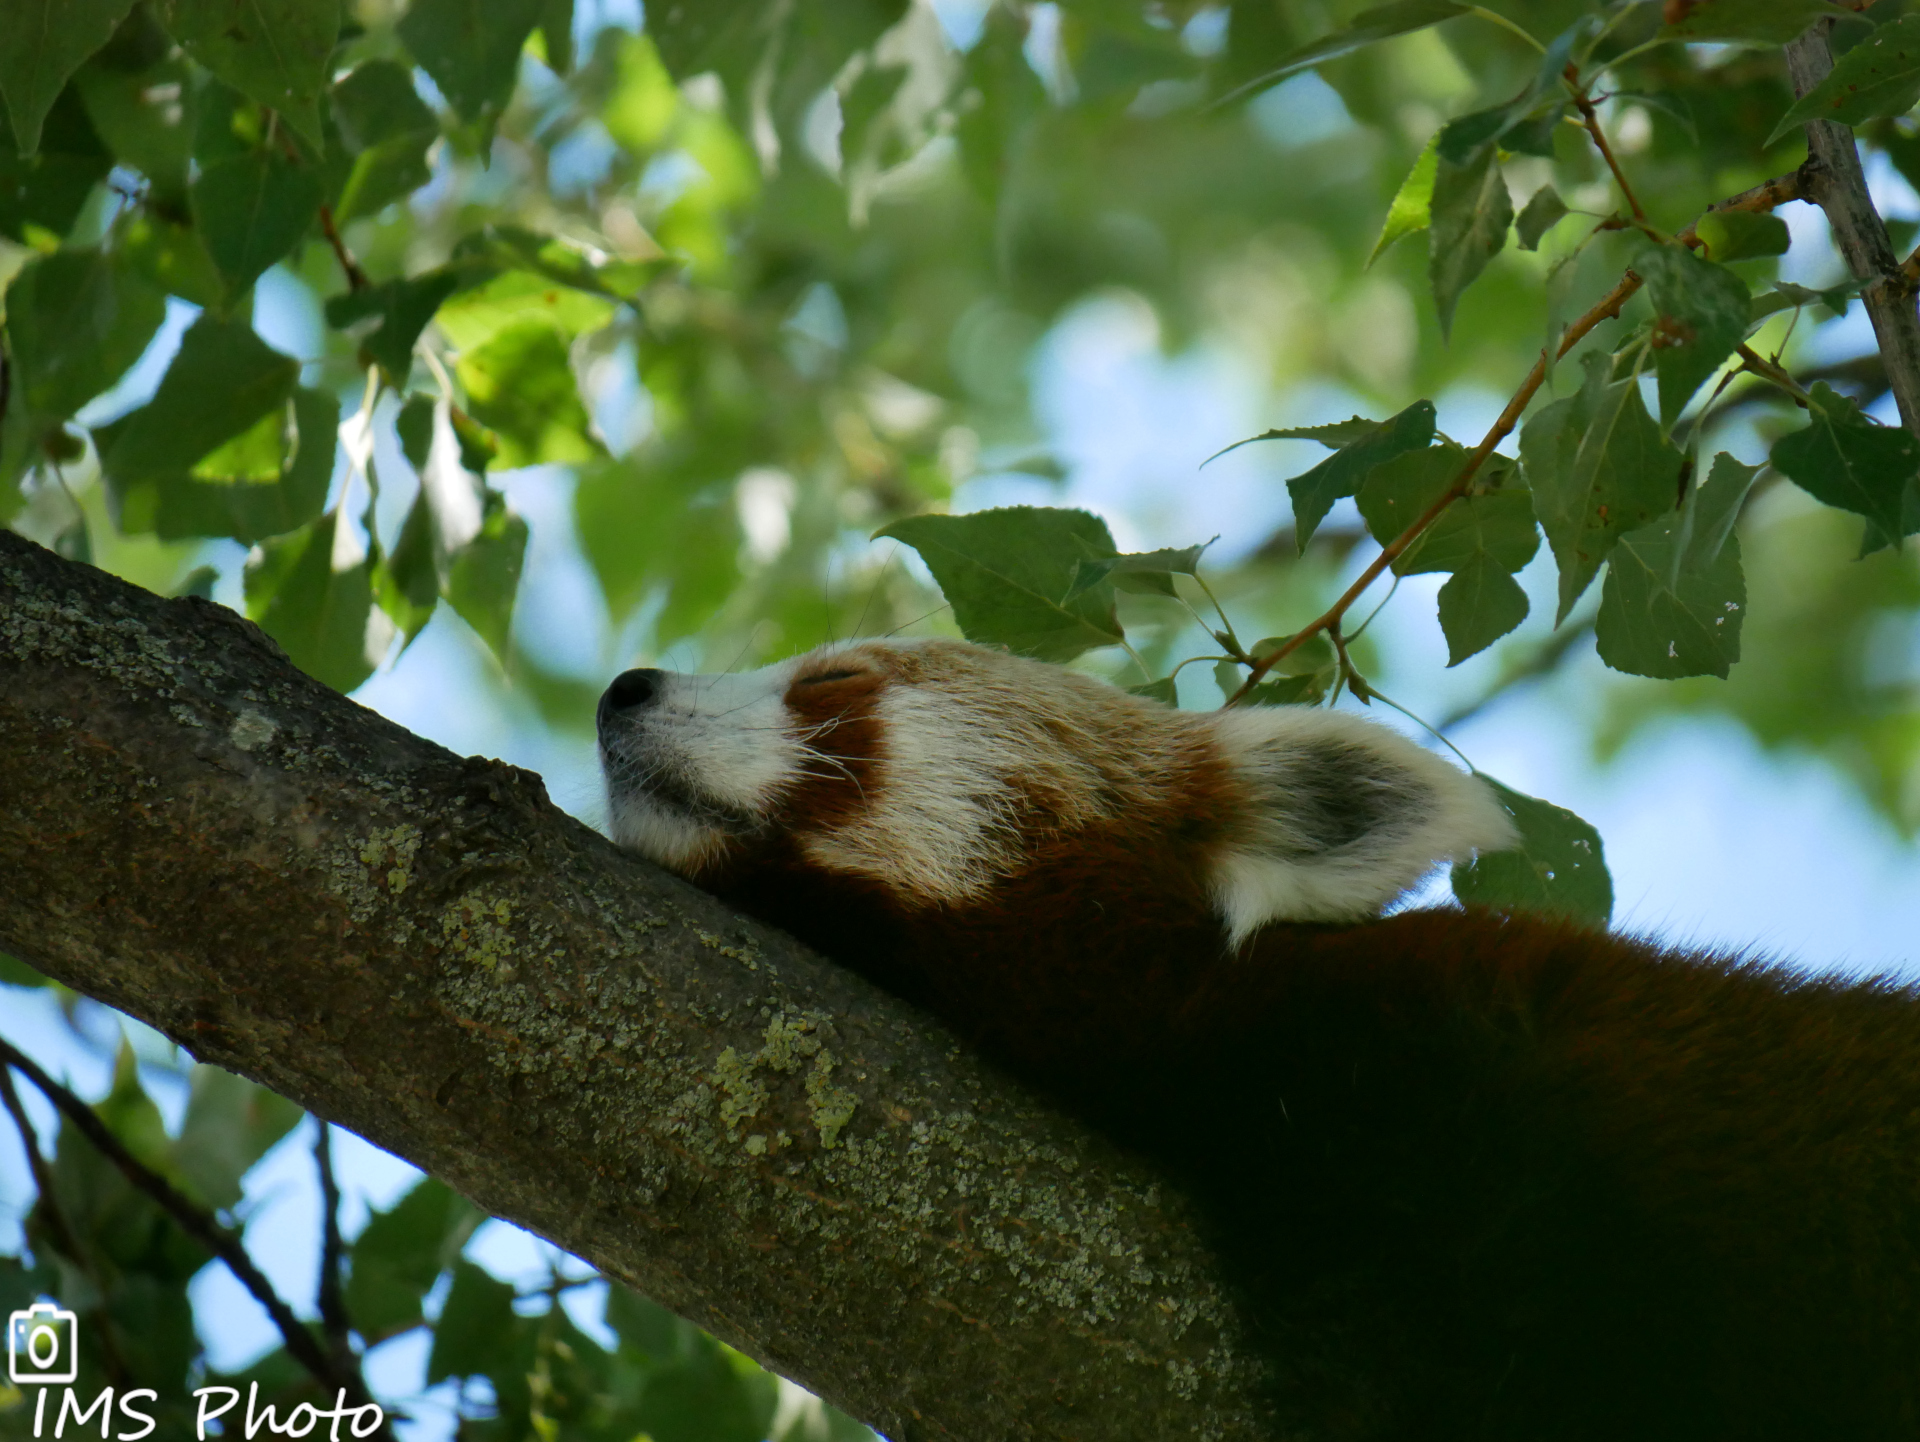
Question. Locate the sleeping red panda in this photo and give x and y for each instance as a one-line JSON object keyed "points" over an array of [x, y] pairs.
{"points": [[1474, 1175]]}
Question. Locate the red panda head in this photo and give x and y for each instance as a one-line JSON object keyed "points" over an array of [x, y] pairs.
{"points": [[953, 779]]}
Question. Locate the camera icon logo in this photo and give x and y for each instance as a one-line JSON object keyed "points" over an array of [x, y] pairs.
{"points": [[40, 1346]]}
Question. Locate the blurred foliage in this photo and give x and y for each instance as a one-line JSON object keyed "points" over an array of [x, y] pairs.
{"points": [[506, 1363], [286, 298]]}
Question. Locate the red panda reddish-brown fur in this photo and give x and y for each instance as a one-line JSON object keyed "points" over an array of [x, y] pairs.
{"points": [[1473, 1175]]}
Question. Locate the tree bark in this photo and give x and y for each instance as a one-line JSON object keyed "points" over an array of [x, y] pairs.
{"points": [[1839, 187], [424, 949]]}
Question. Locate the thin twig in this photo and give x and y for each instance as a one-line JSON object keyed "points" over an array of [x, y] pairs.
{"points": [[356, 277], [1752, 360], [332, 1300], [195, 1221], [1590, 117], [1775, 192]]}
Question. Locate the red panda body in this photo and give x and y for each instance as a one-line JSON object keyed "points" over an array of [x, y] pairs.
{"points": [[1473, 1176]]}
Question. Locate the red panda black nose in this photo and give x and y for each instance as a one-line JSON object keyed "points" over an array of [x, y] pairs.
{"points": [[630, 689]]}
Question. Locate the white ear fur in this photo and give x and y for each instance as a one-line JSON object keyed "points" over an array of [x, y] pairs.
{"points": [[1347, 816]]}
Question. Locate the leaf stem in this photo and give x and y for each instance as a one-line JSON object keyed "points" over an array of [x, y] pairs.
{"points": [[1590, 118], [1763, 197], [1504, 23], [356, 277]]}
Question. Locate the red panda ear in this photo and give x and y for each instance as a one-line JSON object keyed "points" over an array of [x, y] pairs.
{"points": [[1345, 815]]}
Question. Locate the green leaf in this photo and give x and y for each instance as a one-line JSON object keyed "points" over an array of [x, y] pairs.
{"points": [[230, 1124], [48, 189], [1702, 310], [76, 320], [476, 1331], [1674, 595], [702, 1397], [41, 44], [1752, 22], [173, 258], [488, 304], [1741, 235], [1333, 435], [1382, 22], [222, 381], [15, 972], [1480, 603], [1342, 473], [275, 52], [1559, 867], [1145, 572], [1539, 216], [1494, 520], [1410, 209], [145, 113], [406, 583], [1005, 572], [270, 479], [399, 310], [1879, 76], [388, 130], [483, 576], [401, 1253], [1470, 215], [471, 48], [1598, 467], [1785, 295], [252, 209], [1846, 459], [520, 384], [317, 614]]}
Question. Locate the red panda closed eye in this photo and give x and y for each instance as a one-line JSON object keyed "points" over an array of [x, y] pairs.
{"points": [[1473, 1175]]}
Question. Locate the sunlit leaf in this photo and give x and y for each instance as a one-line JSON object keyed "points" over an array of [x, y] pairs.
{"points": [[1006, 573], [520, 385], [222, 380], [1558, 868], [1411, 208]]}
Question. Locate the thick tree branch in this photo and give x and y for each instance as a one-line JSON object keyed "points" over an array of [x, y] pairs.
{"points": [[1837, 184], [423, 949]]}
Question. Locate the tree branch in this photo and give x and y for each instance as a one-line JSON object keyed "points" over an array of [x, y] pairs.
{"points": [[1838, 186], [423, 949]]}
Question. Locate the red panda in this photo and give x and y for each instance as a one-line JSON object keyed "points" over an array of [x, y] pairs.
{"points": [[1474, 1175]]}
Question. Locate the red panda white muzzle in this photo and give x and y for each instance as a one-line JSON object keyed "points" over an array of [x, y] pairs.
{"points": [[1472, 1175], [941, 770]]}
